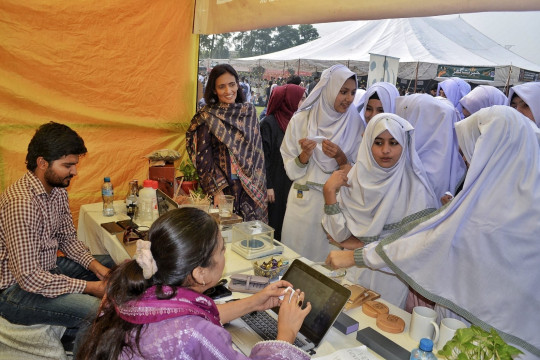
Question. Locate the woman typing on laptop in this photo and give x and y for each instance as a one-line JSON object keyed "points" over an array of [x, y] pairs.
{"points": [[154, 306]]}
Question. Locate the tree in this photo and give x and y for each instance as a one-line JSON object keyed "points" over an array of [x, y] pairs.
{"points": [[214, 46], [285, 37], [307, 33]]}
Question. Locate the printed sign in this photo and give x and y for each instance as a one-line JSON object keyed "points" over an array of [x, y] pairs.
{"points": [[466, 72]]}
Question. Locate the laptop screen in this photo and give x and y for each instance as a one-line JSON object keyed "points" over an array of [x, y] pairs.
{"points": [[326, 296]]}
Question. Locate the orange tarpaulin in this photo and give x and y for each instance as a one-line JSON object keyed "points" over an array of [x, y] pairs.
{"points": [[120, 73], [219, 16]]}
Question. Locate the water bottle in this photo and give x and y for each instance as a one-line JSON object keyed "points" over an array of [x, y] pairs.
{"points": [[107, 193], [155, 205], [424, 351], [147, 199]]}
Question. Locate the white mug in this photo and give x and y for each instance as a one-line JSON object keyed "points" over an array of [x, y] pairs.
{"points": [[423, 324], [448, 329]]}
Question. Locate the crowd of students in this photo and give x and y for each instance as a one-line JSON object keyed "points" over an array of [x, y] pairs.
{"points": [[431, 200]]}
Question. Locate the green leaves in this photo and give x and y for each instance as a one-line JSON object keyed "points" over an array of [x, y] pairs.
{"points": [[474, 343]]}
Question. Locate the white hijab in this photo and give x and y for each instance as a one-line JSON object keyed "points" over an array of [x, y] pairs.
{"points": [[481, 97], [387, 93], [379, 196], [435, 139], [479, 256], [343, 129], [530, 93]]}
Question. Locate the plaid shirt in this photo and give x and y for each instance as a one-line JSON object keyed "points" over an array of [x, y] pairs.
{"points": [[33, 226]]}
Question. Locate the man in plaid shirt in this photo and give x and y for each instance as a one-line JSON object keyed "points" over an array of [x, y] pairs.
{"points": [[36, 287]]}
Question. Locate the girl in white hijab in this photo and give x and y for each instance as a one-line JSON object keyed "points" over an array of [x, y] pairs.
{"points": [[481, 97], [379, 98], [454, 89], [526, 99], [436, 141], [478, 256], [324, 134], [386, 189]]}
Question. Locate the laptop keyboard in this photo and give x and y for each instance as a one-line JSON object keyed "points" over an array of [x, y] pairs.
{"points": [[266, 326]]}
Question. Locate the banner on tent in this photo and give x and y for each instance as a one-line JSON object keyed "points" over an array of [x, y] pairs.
{"points": [[382, 68], [526, 75], [466, 72]]}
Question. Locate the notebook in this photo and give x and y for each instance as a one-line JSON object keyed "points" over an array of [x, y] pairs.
{"points": [[165, 202], [327, 299]]}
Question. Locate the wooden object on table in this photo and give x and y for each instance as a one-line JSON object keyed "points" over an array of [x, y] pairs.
{"points": [[359, 295], [374, 308], [390, 323]]}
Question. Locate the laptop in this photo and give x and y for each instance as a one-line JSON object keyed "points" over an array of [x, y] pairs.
{"points": [[165, 202], [327, 299]]}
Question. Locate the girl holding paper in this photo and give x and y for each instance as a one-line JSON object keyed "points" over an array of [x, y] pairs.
{"points": [[309, 159], [386, 189]]}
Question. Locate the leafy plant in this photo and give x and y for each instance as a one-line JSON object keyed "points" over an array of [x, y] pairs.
{"points": [[188, 170], [475, 343]]}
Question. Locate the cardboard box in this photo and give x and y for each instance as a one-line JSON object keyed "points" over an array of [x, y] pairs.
{"points": [[165, 176]]}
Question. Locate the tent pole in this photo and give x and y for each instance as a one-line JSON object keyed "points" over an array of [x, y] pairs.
{"points": [[416, 76], [507, 86], [298, 71]]}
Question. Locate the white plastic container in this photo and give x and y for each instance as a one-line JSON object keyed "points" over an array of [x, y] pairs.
{"points": [[147, 204]]}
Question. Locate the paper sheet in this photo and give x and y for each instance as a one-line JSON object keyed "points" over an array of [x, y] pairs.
{"points": [[357, 353]]}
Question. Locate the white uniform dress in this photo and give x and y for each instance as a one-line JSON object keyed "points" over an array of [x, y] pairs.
{"points": [[478, 256], [302, 230], [378, 201]]}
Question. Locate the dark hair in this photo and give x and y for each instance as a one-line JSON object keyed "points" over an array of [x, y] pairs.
{"points": [[375, 96], [52, 141], [209, 93], [181, 240], [294, 79]]}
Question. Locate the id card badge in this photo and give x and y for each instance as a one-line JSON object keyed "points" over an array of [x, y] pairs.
{"points": [[299, 194]]}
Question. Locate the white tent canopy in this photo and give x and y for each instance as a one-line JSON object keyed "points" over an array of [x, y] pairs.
{"points": [[426, 42]]}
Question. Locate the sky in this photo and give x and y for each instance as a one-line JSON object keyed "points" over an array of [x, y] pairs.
{"points": [[518, 29]]}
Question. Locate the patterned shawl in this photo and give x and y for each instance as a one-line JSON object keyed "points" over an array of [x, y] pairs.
{"points": [[150, 309], [236, 126]]}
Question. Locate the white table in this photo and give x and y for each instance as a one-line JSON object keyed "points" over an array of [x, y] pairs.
{"points": [[336, 340], [101, 242]]}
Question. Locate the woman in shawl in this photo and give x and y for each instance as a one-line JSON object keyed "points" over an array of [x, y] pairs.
{"points": [[224, 143], [283, 104], [525, 98], [379, 97], [478, 256], [155, 308], [435, 140], [324, 134], [481, 97], [386, 189]]}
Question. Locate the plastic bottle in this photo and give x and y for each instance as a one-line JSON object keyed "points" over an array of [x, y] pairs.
{"points": [[155, 205], [107, 193], [424, 351], [146, 203]]}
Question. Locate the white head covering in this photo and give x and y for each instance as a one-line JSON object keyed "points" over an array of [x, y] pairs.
{"points": [[387, 93], [451, 91], [530, 93], [479, 255], [343, 129], [481, 97], [380, 196], [463, 86], [436, 141]]}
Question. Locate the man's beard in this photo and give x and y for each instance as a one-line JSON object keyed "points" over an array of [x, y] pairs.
{"points": [[55, 181]]}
